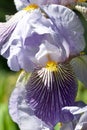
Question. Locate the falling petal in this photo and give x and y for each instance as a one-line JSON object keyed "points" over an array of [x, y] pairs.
{"points": [[48, 91]]}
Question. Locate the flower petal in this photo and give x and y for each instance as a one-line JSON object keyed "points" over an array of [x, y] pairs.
{"points": [[20, 4], [55, 54], [69, 26], [80, 115], [82, 124], [83, 118], [75, 109], [80, 68], [47, 92], [8, 27], [45, 2], [45, 25], [13, 102], [27, 42], [20, 112], [19, 59]]}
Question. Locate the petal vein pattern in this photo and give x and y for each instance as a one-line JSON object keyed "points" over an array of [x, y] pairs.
{"points": [[48, 91]]}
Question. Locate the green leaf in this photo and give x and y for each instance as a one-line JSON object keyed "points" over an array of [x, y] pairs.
{"points": [[5, 121]]}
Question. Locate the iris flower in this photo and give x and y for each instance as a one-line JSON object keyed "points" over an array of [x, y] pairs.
{"points": [[45, 41]]}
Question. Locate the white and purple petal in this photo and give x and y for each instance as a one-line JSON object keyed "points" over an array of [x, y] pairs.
{"points": [[48, 52], [7, 28], [19, 58], [47, 92], [53, 24], [67, 23], [20, 112], [27, 42], [82, 124]]}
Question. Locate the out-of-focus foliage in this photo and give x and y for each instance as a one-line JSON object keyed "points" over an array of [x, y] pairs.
{"points": [[7, 82], [82, 93], [6, 7]]}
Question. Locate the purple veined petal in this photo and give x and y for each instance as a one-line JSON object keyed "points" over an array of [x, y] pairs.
{"points": [[68, 25], [5, 32], [66, 116], [8, 27], [47, 92], [20, 112], [80, 68]]}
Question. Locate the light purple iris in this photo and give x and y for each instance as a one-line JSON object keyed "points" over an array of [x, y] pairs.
{"points": [[23, 3], [43, 42], [54, 28]]}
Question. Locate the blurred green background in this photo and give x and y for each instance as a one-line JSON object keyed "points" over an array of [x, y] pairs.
{"points": [[8, 78]]}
